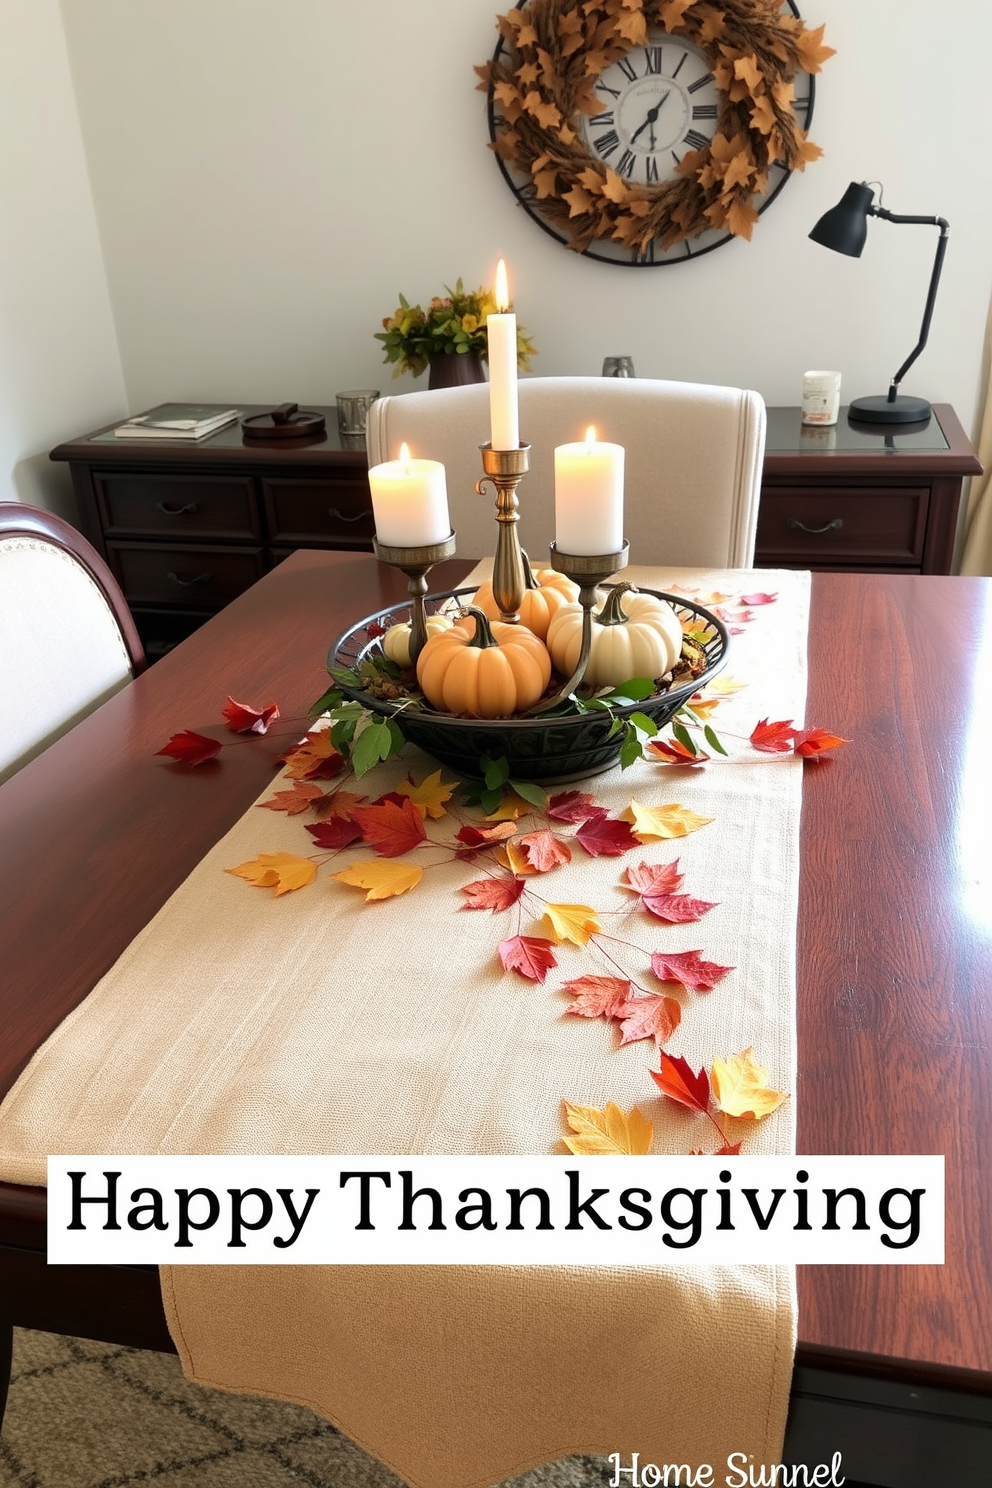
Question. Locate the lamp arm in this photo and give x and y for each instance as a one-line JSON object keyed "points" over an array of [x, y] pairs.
{"points": [[938, 264]]}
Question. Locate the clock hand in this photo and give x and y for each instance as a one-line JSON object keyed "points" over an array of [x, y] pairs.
{"points": [[651, 118]]}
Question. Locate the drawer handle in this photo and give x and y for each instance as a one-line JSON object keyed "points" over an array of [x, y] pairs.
{"points": [[175, 511], [798, 526], [332, 511], [200, 579]]}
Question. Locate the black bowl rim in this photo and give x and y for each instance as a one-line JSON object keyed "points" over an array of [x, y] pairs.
{"points": [[682, 692]]}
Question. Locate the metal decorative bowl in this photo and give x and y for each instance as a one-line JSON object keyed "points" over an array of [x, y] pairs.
{"points": [[551, 749]]}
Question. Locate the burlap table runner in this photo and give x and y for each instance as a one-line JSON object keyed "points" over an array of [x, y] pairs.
{"points": [[238, 1022]]}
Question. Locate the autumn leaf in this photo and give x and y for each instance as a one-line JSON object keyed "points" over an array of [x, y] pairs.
{"points": [[390, 829], [511, 855], [773, 738], [758, 599], [574, 922], [242, 718], [574, 806], [725, 687], [545, 851], [676, 1080], [190, 748], [597, 996], [603, 836], [811, 742], [673, 752], [299, 798], [689, 968], [532, 956], [654, 1016], [654, 878], [280, 871], [510, 807], [676, 909], [811, 50], [383, 878], [740, 1087], [493, 893], [484, 836], [340, 831], [663, 821], [429, 796], [607, 1132], [314, 758]]}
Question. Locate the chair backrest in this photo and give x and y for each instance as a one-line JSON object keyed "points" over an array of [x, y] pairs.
{"points": [[692, 470], [67, 638]]}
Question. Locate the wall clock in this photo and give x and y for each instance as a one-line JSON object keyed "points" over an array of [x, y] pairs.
{"points": [[650, 133]]}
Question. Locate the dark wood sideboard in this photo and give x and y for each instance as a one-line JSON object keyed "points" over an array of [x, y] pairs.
{"points": [[186, 527]]}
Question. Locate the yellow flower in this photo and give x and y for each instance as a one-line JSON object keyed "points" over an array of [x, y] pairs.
{"points": [[470, 322]]}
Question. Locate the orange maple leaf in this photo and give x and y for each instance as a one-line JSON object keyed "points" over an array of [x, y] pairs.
{"points": [[812, 742], [300, 798], [651, 1016], [315, 757], [597, 996], [544, 850], [383, 878], [390, 829], [280, 871], [574, 922], [607, 1132]]}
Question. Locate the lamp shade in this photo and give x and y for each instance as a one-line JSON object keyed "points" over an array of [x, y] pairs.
{"points": [[845, 227]]}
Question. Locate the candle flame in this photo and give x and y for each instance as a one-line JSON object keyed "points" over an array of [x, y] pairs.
{"points": [[590, 436], [502, 290], [405, 455]]}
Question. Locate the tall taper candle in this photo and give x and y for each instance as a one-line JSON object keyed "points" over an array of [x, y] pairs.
{"points": [[502, 337]]}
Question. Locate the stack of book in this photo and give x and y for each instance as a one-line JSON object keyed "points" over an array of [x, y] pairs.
{"points": [[178, 421]]}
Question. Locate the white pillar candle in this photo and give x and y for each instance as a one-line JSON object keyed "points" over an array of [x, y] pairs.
{"points": [[501, 334], [409, 502], [589, 497]]}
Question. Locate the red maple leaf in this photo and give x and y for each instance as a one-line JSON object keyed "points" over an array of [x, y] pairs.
{"points": [[242, 718], [602, 836], [531, 955], [493, 893], [811, 742], [574, 806], [676, 1080], [654, 1016], [672, 752], [485, 836], [313, 758], [597, 996], [340, 831], [190, 748], [773, 738], [676, 909], [689, 968], [391, 829], [374, 630], [545, 851], [758, 599], [654, 878]]}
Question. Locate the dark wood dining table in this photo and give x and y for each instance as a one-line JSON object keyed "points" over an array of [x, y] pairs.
{"points": [[894, 1364]]}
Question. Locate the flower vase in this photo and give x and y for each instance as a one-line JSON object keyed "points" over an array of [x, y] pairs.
{"points": [[455, 369]]}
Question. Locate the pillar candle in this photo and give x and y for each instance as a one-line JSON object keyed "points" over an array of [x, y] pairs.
{"points": [[589, 497], [409, 502], [501, 334]]}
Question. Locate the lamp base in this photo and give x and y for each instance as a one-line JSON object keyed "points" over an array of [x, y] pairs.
{"points": [[880, 410]]}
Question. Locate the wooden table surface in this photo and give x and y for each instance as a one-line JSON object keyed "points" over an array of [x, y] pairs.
{"points": [[895, 923]]}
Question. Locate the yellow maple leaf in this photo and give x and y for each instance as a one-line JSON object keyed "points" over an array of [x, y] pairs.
{"points": [[668, 821], [574, 922], [280, 871], [383, 877], [511, 855], [510, 807], [740, 1087], [429, 796], [725, 686], [607, 1132]]}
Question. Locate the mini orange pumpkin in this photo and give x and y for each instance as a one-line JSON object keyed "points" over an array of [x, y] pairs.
{"points": [[544, 594], [498, 670]]}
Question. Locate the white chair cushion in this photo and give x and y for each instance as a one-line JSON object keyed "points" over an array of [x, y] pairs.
{"points": [[693, 460], [61, 650]]}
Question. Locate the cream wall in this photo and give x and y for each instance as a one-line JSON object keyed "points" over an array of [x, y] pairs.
{"points": [[60, 370]]}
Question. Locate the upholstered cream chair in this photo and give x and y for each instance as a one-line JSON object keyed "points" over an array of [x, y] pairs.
{"points": [[693, 461], [67, 638]]}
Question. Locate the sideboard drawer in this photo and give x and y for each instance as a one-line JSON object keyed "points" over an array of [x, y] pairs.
{"points": [[302, 511], [185, 507], [204, 578], [829, 526]]}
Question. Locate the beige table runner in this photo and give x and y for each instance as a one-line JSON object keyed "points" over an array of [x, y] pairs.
{"points": [[238, 1022]]}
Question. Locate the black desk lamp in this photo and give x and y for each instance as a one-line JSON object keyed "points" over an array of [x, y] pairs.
{"points": [[845, 229]]}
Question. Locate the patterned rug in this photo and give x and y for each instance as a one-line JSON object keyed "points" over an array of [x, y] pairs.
{"points": [[92, 1415]]}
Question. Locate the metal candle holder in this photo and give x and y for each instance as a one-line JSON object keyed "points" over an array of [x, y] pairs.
{"points": [[588, 571], [504, 470], [416, 563]]}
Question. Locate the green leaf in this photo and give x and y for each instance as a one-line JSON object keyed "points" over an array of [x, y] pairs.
{"points": [[636, 690], [631, 749], [324, 704], [684, 737], [342, 733], [644, 723], [496, 772], [713, 739], [530, 792], [491, 798], [373, 744]]}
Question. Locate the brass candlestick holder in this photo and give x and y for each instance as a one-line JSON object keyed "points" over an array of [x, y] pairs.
{"points": [[588, 571], [416, 563], [504, 470]]}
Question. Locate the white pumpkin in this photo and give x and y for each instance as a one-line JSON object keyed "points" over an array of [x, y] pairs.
{"points": [[633, 635], [396, 641]]}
